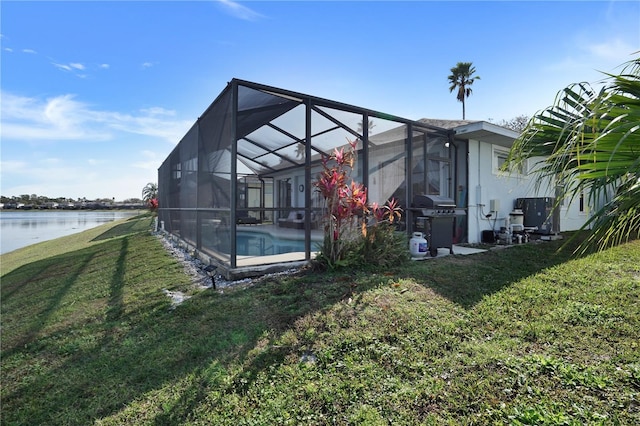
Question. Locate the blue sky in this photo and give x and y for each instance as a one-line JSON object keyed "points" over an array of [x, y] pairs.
{"points": [[95, 95]]}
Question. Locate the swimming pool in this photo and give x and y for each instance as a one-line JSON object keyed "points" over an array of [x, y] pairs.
{"points": [[263, 244]]}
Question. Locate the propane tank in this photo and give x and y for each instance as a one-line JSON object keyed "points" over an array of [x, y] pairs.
{"points": [[418, 245]]}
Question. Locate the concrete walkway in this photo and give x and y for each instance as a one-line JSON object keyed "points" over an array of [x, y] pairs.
{"points": [[442, 252]]}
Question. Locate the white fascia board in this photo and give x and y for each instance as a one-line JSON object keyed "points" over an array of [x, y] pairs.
{"points": [[487, 132]]}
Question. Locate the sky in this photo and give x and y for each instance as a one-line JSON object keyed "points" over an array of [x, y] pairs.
{"points": [[95, 95]]}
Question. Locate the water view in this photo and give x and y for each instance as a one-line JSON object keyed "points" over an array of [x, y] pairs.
{"points": [[22, 228]]}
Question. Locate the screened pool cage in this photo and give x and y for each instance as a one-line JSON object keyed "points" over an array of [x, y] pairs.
{"points": [[238, 188]]}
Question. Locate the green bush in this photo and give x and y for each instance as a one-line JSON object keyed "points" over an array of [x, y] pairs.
{"points": [[383, 246]]}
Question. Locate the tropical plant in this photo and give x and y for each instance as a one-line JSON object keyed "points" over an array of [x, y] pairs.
{"points": [[343, 201], [370, 125], [150, 191], [461, 79], [150, 195], [381, 244], [355, 233], [588, 142]]}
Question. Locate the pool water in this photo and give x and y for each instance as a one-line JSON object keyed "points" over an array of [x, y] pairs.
{"points": [[261, 244]]}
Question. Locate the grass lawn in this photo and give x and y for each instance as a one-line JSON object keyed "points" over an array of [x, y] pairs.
{"points": [[523, 336]]}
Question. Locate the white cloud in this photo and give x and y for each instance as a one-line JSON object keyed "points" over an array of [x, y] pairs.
{"points": [[64, 118], [8, 49], [57, 118], [587, 60], [158, 111], [31, 51], [71, 67], [50, 161], [240, 11], [615, 50], [14, 166], [63, 67], [104, 66], [75, 179], [146, 65], [149, 125], [149, 160]]}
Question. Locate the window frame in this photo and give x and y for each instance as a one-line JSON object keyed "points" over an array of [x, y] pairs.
{"points": [[498, 152]]}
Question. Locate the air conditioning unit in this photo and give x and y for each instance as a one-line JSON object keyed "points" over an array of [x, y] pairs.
{"points": [[540, 213]]}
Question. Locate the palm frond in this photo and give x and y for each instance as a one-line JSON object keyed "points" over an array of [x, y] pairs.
{"points": [[590, 142]]}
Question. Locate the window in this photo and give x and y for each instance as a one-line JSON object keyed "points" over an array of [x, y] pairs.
{"points": [[499, 157]]}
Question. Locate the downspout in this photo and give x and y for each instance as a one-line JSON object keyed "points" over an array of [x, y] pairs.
{"points": [[454, 190], [466, 175], [408, 141], [478, 196]]}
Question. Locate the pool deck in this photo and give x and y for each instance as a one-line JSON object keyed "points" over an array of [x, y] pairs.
{"points": [[250, 266], [316, 237]]}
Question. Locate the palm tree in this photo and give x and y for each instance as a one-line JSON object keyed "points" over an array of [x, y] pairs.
{"points": [[589, 142], [370, 126], [462, 78], [149, 192]]}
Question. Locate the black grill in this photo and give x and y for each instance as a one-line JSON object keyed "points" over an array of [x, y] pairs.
{"points": [[435, 205], [434, 216]]}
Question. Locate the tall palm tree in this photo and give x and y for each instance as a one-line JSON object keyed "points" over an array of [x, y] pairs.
{"points": [[462, 78], [589, 142], [150, 191]]}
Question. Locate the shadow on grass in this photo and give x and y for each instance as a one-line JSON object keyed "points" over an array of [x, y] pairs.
{"points": [[130, 226], [466, 280], [127, 345], [121, 340], [116, 298], [55, 295]]}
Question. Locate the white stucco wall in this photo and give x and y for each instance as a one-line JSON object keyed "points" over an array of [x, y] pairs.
{"points": [[486, 184]]}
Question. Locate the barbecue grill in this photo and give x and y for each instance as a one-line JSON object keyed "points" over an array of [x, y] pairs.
{"points": [[433, 215]]}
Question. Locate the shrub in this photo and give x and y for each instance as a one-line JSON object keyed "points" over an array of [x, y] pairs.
{"points": [[355, 233]]}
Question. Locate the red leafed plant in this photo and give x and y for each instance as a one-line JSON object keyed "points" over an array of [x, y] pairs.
{"points": [[349, 219]]}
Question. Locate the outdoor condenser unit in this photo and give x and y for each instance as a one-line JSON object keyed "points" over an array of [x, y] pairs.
{"points": [[540, 213]]}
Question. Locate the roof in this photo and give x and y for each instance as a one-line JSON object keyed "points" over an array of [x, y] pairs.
{"points": [[487, 132], [479, 130], [445, 124]]}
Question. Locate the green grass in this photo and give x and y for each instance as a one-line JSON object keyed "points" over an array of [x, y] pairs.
{"points": [[520, 336]]}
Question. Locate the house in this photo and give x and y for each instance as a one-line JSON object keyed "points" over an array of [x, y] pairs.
{"points": [[238, 187], [491, 195]]}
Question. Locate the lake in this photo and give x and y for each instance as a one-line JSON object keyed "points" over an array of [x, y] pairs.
{"points": [[22, 228]]}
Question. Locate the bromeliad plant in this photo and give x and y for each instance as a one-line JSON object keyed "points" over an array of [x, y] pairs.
{"points": [[343, 201], [353, 230]]}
